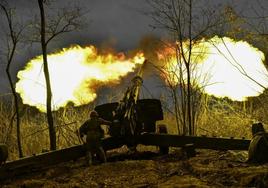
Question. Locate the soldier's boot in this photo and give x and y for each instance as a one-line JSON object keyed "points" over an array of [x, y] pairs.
{"points": [[102, 155], [89, 161]]}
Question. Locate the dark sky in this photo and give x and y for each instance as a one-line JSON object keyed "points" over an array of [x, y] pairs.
{"points": [[117, 22], [109, 22]]}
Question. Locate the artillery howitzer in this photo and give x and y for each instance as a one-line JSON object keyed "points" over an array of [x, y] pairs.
{"points": [[132, 116], [134, 123]]}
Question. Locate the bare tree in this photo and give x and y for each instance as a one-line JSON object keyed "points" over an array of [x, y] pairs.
{"points": [[65, 21], [186, 22], [254, 26], [250, 24], [258, 22], [14, 35]]}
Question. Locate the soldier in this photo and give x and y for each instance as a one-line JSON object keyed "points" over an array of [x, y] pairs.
{"points": [[3, 153], [257, 128], [258, 148], [93, 131]]}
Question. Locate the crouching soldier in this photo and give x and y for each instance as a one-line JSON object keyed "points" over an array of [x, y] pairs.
{"points": [[94, 133], [258, 148], [3, 153]]}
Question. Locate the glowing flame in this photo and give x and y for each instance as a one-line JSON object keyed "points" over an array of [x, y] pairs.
{"points": [[75, 75], [225, 67]]}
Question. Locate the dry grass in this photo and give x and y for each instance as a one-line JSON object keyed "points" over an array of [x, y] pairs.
{"points": [[34, 129], [223, 120]]}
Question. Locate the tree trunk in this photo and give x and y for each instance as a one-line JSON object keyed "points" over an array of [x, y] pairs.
{"points": [[52, 133], [16, 104], [176, 109], [189, 102], [10, 56], [188, 67]]}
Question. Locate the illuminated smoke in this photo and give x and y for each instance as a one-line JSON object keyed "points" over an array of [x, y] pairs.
{"points": [[225, 67], [75, 74]]}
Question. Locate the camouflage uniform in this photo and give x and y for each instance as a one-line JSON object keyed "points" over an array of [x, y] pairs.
{"points": [[258, 148], [93, 131]]}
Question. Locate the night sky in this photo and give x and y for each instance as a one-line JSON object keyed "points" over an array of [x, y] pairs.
{"points": [[119, 23]]}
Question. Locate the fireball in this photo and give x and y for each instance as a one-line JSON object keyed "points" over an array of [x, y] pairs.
{"points": [[75, 74], [222, 66]]}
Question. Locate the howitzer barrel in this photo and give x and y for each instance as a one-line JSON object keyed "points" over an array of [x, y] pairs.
{"points": [[137, 81], [126, 110]]}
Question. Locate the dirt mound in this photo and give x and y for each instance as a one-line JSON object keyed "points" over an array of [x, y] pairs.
{"points": [[148, 169]]}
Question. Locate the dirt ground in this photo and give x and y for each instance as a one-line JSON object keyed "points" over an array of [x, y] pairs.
{"points": [[148, 169]]}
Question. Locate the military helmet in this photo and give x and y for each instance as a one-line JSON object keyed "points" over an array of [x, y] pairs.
{"points": [[257, 128], [93, 114]]}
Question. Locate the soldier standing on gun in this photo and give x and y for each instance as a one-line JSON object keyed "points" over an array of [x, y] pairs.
{"points": [[93, 131]]}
